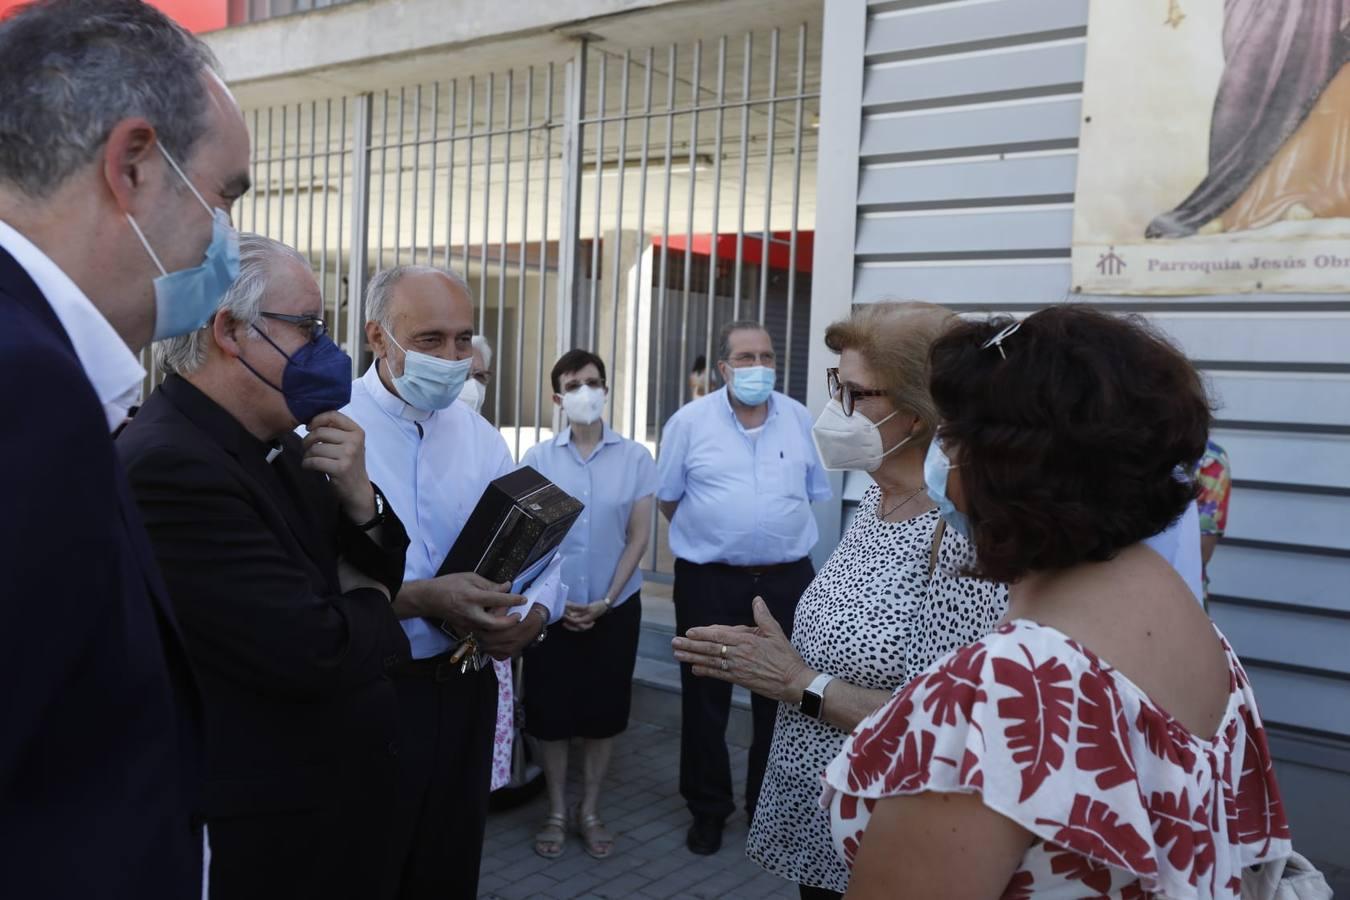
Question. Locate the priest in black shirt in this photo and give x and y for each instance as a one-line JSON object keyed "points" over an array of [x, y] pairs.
{"points": [[281, 561]]}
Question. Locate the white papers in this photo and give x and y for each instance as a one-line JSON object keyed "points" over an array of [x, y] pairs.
{"points": [[547, 591]]}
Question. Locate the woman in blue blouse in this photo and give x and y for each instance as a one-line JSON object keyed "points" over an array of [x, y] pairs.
{"points": [[577, 683]]}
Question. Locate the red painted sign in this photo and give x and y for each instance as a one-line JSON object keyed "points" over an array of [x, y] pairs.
{"points": [[196, 16]]}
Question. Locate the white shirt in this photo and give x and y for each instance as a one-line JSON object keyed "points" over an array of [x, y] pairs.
{"points": [[432, 468], [743, 500], [1180, 546], [108, 362]]}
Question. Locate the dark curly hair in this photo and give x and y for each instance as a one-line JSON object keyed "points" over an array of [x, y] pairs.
{"points": [[1071, 447]]}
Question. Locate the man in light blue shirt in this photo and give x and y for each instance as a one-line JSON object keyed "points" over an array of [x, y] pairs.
{"points": [[737, 475], [433, 458]]}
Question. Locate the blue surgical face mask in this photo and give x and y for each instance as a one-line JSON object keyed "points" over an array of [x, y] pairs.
{"points": [[752, 385], [186, 299], [936, 470], [317, 377], [428, 382]]}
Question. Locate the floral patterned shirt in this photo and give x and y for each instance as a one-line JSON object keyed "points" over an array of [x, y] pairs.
{"points": [[1213, 476], [1122, 800]]}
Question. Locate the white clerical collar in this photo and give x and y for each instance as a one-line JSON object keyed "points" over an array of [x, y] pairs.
{"points": [[108, 363], [390, 402]]}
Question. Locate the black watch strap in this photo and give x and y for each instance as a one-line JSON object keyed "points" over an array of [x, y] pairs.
{"points": [[379, 511]]}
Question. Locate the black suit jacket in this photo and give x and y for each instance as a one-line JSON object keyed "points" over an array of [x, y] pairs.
{"points": [[100, 745], [300, 712]]}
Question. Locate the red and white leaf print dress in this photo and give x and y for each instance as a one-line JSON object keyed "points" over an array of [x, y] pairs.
{"points": [[1124, 802]]}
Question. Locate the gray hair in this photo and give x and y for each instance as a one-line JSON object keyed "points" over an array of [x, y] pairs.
{"points": [[258, 256], [482, 346], [380, 291], [724, 345], [72, 69]]}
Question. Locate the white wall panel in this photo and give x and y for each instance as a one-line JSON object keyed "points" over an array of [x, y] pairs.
{"points": [[1282, 396], [975, 231], [924, 27], [1299, 639], [997, 73], [1276, 576], [983, 180], [960, 130]]}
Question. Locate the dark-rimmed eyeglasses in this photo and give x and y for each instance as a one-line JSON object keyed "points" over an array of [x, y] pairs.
{"points": [[846, 394], [768, 359], [312, 326]]}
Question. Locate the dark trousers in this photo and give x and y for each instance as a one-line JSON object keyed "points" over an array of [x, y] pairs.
{"points": [[817, 893], [716, 594], [447, 723]]}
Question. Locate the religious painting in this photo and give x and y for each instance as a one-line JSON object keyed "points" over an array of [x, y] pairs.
{"points": [[1215, 148]]}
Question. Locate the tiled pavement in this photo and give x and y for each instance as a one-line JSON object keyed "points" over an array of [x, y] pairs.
{"points": [[643, 808]]}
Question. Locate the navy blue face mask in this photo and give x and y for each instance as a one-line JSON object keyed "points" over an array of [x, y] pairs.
{"points": [[317, 377]]}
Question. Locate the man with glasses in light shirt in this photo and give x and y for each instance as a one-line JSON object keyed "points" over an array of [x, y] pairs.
{"points": [[737, 475]]}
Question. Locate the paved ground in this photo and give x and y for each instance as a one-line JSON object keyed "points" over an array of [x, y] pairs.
{"points": [[644, 810]]}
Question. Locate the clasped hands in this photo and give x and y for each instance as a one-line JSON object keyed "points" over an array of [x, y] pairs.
{"points": [[760, 658]]}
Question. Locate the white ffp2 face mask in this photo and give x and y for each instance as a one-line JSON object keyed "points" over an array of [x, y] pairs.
{"points": [[850, 442], [473, 393], [584, 405]]}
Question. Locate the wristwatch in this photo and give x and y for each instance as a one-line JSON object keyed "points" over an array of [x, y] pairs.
{"points": [[813, 698], [379, 512], [543, 632]]}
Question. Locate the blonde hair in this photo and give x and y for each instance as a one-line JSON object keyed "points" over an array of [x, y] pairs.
{"points": [[894, 339]]}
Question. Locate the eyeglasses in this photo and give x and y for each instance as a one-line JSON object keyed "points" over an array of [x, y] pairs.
{"points": [[311, 325], [767, 358], [845, 394], [578, 385]]}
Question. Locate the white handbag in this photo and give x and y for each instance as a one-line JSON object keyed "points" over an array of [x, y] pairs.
{"points": [[1293, 878]]}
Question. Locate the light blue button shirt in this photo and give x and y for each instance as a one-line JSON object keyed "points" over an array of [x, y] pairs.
{"points": [[618, 473], [1180, 546], [432, 468], [744, 501]]}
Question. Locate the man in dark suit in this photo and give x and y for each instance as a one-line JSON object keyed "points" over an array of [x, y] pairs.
{"points": [[281, 561], [100, 723]]}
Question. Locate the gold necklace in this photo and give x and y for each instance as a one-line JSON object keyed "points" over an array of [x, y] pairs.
{"points": [[891, 511]]}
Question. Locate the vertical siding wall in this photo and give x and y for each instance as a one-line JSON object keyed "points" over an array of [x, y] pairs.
{"points": [[967, 149]]}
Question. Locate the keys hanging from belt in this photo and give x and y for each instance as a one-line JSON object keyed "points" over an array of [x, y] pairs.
{"points": [[468, 654]]}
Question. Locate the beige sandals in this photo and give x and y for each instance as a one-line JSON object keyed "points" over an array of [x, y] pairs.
{"points": [[597, 839], [549, 839]]}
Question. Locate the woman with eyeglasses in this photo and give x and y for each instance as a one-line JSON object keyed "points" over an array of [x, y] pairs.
{"points": [[577, 684], [889, 601], [1104, 741]]}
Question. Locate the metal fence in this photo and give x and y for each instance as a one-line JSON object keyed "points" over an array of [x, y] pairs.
{"points": [[627, 201]]}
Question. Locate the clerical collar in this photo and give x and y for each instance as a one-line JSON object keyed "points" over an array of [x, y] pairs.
{"points": [[390, 402]]}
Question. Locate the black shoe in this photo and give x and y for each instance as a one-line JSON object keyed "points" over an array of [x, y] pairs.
{"points": [[705, 836]]}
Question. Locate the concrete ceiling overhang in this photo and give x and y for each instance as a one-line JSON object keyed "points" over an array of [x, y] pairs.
{"points": [[372, 45]]}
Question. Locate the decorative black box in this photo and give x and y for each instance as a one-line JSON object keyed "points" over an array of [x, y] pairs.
{"points": [[520, 519]]}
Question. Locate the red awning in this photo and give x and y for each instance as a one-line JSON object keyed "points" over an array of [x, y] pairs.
{"points": [[752, 252]]}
